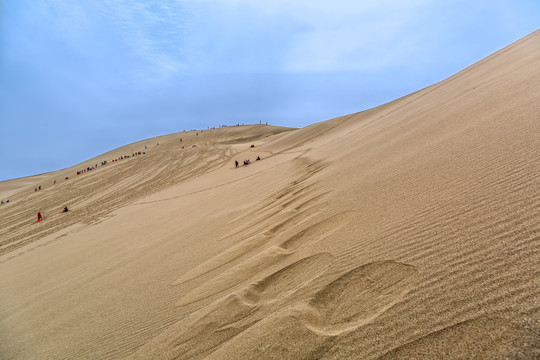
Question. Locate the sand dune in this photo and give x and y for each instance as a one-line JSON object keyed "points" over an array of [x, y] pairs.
{"points": [[411, 230]]}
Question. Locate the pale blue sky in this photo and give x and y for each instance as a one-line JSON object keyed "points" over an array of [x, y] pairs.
{"points": [[79, 78]]}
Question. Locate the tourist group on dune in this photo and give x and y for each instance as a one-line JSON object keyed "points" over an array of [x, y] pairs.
{"points": [[79, 172], [103, 163], [246, 162]]}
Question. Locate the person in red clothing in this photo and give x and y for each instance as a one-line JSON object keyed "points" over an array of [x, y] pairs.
{"points": [[39, 217]]}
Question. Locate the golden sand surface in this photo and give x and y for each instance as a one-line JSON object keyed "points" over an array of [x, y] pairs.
{"points": [[411, 230]]}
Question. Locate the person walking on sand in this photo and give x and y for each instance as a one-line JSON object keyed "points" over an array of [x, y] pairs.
{"points": [[39, 217], [236, 163]]}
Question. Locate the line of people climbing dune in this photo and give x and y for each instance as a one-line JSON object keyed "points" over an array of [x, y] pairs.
{"points": [[95, 166], [138, 153], [89, 168]]}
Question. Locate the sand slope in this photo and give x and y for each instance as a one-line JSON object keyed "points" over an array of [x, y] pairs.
{"points": [[411, 230]]}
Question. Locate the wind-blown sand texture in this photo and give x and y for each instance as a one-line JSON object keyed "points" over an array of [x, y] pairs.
{"points": [[411, 230]]}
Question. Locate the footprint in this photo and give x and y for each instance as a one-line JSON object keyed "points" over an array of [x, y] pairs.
{"points": [[287, 280], [315, 232], [257, 263], [237, 312], [196, 338], [252, 243], [359, 296], [295, 219], [282, 337], [308, 330], [236, 275], [308, 203]]}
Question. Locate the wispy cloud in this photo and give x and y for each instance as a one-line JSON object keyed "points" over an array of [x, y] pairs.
{"points": [[125, 33], [152, 30]]}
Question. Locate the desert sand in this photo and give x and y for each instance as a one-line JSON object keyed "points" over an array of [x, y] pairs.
{"points": [[407, 231]]}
